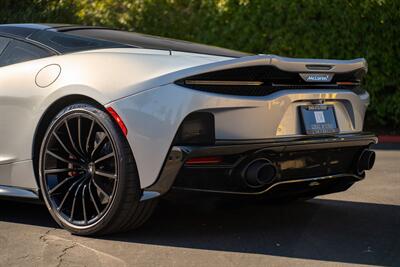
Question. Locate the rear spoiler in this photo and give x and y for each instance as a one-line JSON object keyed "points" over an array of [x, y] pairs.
{"points": [[291, 64], [316, 65]]}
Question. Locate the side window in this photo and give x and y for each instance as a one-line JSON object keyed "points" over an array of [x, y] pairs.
{"points": [[17, 51], [3, 43], [66, 43]]}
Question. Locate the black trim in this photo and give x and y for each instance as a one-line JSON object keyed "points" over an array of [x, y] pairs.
{"points": [[299, 185], [125, 38], [179, 154], [150, 42], [270, 79], [198, 128], [18, 192]]}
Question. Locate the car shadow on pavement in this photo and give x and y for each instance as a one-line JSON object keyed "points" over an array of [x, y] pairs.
{"points": [[328, 230], [25, 213], [320, 229]]}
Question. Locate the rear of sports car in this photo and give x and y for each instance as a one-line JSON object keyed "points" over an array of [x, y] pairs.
{"points": [[120, 119], [257, 125]]}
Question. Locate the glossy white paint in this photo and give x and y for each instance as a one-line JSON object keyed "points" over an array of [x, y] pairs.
{"points": [[154, 116], [19, 174], [138, 84], [103, 75], [48, 75]]}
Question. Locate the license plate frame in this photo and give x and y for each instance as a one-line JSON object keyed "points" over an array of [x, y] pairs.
{"points": [[319, 119]]}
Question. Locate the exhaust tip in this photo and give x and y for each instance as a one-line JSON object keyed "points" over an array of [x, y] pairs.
{"points": [[259, 172], [366, 161]]}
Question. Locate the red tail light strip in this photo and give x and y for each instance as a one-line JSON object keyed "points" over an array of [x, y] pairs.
{"points": [[205, 160]]}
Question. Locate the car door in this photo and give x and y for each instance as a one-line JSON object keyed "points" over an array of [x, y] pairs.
{"points": [[18, 96]]}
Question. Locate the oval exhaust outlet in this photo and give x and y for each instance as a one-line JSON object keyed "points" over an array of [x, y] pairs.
{"points": [[259, 172], [366, 161]]}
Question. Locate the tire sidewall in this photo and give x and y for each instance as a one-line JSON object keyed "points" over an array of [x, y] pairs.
{"points": [[117, 140]]}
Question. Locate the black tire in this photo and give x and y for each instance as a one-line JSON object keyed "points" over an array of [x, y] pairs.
{"points": [[90, 186]]}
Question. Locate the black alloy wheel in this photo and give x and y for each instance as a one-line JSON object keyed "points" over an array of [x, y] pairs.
{"points": [[85, 165]]}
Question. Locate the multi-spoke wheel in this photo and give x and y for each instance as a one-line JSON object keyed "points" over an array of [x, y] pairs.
{"points": [[88, 175]]}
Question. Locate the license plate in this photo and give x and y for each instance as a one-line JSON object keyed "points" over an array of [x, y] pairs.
{"points": [[319, 119]]}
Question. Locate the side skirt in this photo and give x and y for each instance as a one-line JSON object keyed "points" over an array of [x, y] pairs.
{"points": [[18, 193]]}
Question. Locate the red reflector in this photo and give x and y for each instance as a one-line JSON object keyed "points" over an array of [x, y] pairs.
{"points": [[118, 120], [205, 160], [346, 83]]}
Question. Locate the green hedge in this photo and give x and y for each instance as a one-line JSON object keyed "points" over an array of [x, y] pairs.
{"points": [[305, 28]]}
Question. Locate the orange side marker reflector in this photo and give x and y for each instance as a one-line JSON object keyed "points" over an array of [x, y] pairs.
{"points": [[204, 160], [118, 120]]}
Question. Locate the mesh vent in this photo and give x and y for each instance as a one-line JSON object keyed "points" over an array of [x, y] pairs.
{"points": [[270, 79]]}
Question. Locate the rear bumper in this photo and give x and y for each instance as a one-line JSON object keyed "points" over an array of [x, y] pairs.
{"points": [[300, 161]]}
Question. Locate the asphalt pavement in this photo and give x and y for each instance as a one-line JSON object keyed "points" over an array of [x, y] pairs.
{"points": [[358, 227]]}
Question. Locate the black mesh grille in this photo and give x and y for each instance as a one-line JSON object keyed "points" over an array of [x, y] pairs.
{"points": [[272, 79]]}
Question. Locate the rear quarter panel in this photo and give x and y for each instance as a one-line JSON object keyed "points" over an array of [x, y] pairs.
{"points": [[101, 75], [153, 118]]}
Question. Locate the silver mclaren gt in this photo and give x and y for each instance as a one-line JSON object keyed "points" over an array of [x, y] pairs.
{"points": [[99, 123]]}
